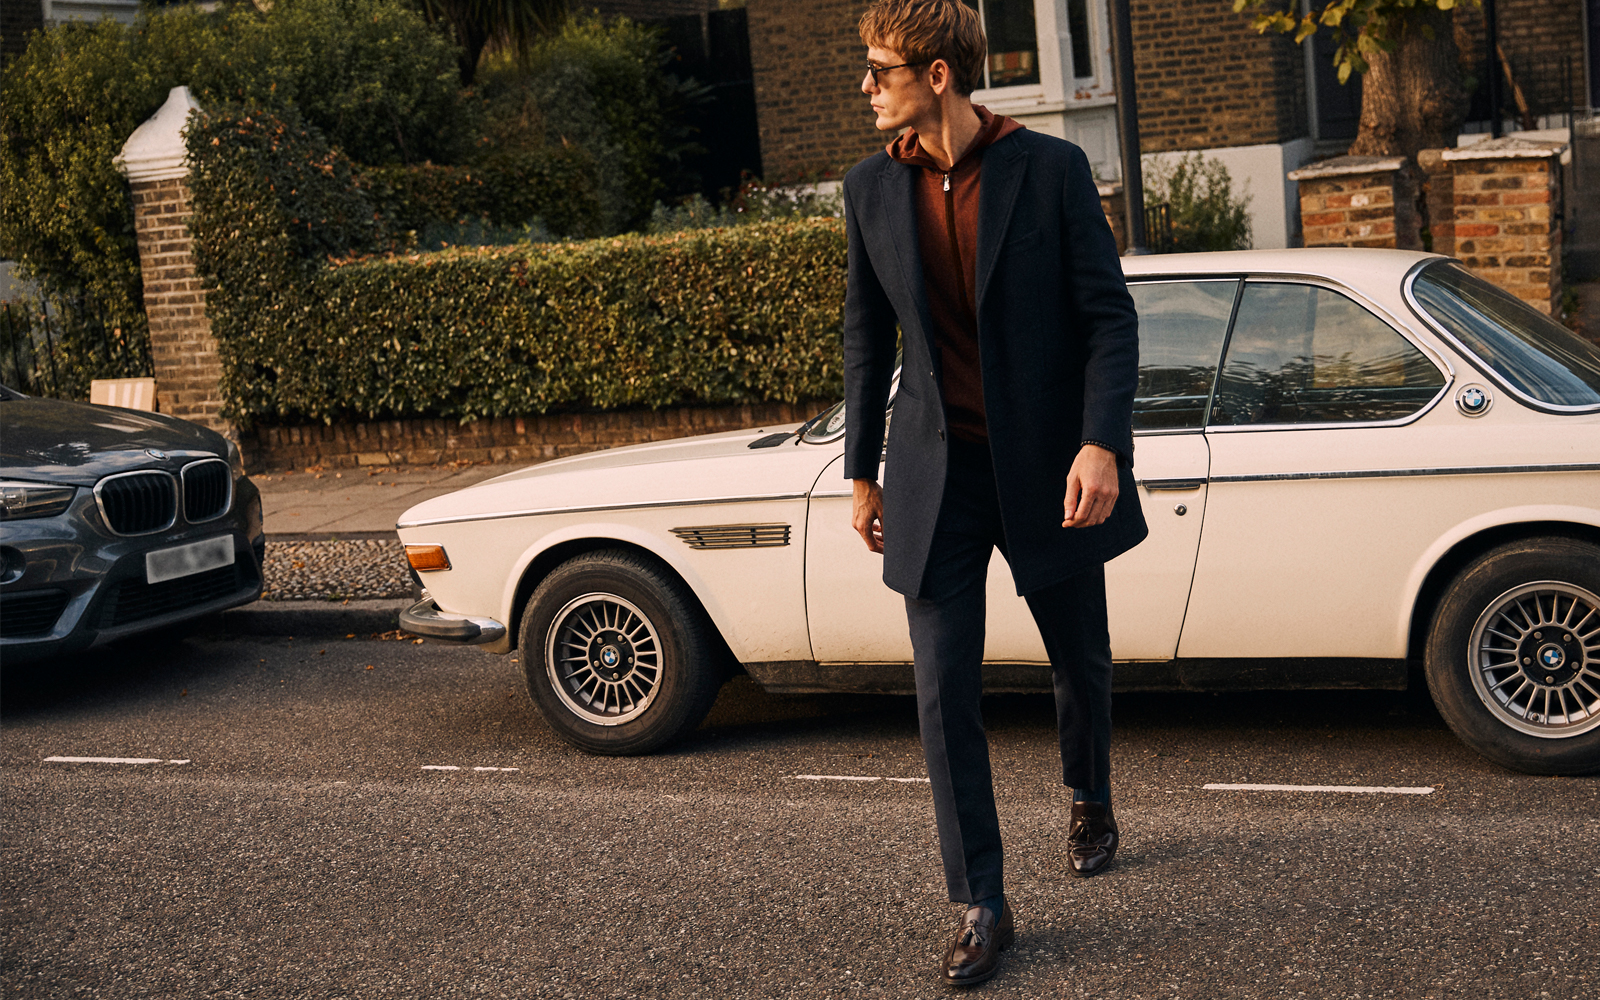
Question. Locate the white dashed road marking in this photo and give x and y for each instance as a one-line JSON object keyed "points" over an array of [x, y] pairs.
{"points": [[113, 760], [1356, 789], [452, 767], [857, 777]]}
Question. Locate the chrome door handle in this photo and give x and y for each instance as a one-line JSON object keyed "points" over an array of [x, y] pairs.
{"points": [[1172, 485]]}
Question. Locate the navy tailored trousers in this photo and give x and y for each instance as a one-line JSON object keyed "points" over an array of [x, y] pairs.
{"points": [[947, 633]]}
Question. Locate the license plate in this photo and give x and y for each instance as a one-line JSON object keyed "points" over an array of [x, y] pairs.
{"points": [[187, 560]]}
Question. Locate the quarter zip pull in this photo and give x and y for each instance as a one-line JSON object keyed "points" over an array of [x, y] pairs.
{"points": [[947, 180]]}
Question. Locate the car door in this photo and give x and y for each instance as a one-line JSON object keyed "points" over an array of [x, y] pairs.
{"points": [[1310, 534], [854, 618]]}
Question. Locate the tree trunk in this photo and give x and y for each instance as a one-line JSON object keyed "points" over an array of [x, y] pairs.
{"points": [[1413, 98]]}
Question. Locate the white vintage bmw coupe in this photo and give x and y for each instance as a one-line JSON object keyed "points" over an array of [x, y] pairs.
{"points": [[1352, 462]]}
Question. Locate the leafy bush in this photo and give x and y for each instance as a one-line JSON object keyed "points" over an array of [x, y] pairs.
{"points": [[543, 192], [1202, 209], [370, 74], [735, 315], [755, 201], [601, 85]]}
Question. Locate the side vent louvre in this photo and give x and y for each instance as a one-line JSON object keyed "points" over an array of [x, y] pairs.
{"points": [[734, 536]]}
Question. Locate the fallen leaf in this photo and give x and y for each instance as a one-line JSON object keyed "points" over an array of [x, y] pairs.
{"points": [[369, 666]]}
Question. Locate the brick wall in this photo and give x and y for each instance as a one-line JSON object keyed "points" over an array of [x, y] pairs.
{"points": [[1206, 78], [187, 367], [502, 439], [1504, 227], [809, 62], [1543, 40]]}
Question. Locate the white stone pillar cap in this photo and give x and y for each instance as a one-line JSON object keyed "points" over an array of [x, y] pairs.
{"points": [[155, 150], [1506, 148], [1341, 166]]}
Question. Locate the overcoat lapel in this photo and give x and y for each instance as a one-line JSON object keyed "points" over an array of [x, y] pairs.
{"points": [[1004, 165], [895, 183]]}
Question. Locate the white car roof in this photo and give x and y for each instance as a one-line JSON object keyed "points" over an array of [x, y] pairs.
{"points": [[1352, 266]]}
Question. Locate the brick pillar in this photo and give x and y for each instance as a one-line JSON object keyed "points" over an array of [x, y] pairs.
{"points": [[1350, 201], [1439, 191], [188, 368], [1111, 203], [1507, 218]]}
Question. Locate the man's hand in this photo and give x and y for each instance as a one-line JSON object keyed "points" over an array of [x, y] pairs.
{"points": [[1091, 487], [866, 515]]}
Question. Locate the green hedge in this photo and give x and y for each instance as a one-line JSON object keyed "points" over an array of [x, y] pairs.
{"points": [[312, 324], [712, 316], [553, 185]]}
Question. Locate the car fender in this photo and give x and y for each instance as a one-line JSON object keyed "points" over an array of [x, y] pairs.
{"points": [[1506, 516], [768, 622]]}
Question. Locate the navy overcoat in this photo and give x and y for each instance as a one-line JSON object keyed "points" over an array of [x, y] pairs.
{"points": [[1058, 342]]}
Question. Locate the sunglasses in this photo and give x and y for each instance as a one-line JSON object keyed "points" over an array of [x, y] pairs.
{"points": [[875, 70]]}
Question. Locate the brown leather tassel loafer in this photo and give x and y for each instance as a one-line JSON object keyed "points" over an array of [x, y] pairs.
{"points": [[1091, 838], [974, 956]]}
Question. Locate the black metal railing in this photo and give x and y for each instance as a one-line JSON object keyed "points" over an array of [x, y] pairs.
{"points": [[56, 350], [1158, 227]]}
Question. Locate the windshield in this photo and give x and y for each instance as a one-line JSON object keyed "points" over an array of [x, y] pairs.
{"points": [[1535, 355], [829, 425]]}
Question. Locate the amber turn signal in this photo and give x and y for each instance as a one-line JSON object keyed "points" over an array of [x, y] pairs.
{"points": [[427, 558]]}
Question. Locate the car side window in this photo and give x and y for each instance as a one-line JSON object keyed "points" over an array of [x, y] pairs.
{"points": [[1182, 325], [1300, 354]]}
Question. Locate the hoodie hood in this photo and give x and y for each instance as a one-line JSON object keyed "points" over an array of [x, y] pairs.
{"points": [[907, 148]]}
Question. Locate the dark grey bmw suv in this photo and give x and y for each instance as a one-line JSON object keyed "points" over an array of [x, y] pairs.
{"points": [[115, 522]]}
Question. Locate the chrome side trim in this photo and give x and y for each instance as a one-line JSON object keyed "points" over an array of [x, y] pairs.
{"points": [[734, 536], [1480, 470], [537, 511]]}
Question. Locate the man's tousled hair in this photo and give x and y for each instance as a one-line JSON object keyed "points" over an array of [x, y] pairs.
{"points": [[925, 30]]}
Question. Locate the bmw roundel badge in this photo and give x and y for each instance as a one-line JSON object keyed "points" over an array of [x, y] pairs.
{"points": [[153, 453], [1473, 400]]}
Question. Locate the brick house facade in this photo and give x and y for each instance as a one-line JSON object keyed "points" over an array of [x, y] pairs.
{"points": [[1207, 82]]}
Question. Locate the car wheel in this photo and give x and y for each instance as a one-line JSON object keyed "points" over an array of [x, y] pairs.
{"points": [[619, 657], [1513, 656]]}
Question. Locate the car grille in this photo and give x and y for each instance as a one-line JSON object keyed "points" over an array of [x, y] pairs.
{"points": [[135, 600], [205, 490], [30, 613], [138, 502]]}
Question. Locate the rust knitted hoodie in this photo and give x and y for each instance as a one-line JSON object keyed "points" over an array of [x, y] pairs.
{"points": [[947, 236]]}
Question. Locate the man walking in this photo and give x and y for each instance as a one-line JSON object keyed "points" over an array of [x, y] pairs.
{"points": [[985, 242]]}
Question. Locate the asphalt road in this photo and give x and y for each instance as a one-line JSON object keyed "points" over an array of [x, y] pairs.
{"points": [[290, 843]]}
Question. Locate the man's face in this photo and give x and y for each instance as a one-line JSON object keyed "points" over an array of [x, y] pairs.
{"points": [[899, 96]]}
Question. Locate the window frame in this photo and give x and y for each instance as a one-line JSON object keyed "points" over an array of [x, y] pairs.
{"points": [[1238, 281], [1433, 356], [1057, 89], [1483, 368]]}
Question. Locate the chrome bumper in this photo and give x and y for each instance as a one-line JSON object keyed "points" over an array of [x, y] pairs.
{"points": [[425, 619]]}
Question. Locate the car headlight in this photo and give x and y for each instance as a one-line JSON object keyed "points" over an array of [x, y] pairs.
{"points": [[25, 500], [235, 460]]}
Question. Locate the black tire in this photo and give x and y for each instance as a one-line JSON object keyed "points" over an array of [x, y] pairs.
{"points": [[666, 672], [1531, 582]]}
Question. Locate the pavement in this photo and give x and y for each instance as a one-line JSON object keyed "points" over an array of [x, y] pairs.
{"points": [[357, 503], [317, 517]]}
